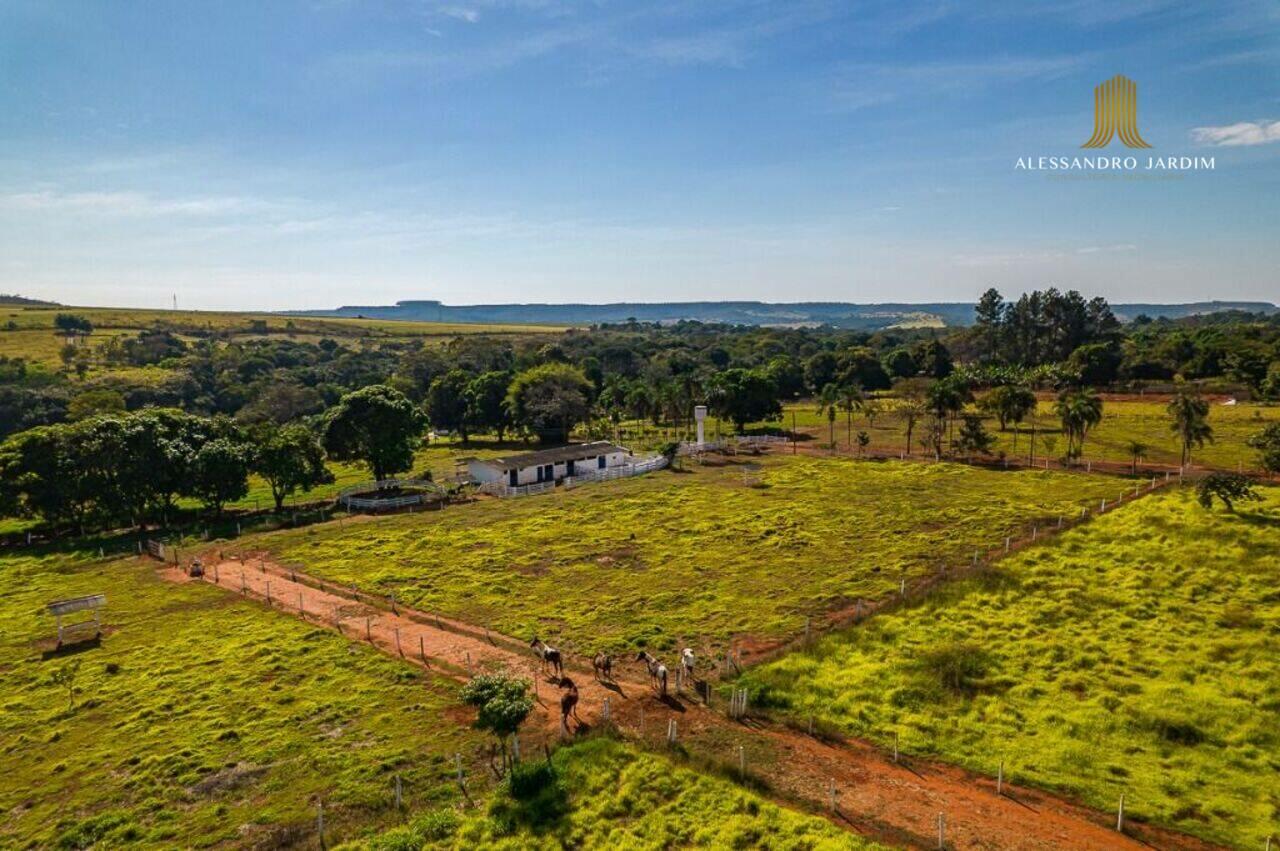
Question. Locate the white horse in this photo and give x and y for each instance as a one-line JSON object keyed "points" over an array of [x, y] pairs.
{"points": [[687, 662], [657, 672]]}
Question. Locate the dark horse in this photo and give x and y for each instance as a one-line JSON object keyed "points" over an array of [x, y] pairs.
{"points": [[551, 661], [568, 703], [602, 664]]}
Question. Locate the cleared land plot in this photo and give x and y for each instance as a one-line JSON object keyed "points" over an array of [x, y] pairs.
{"points": [[203, 719], [694, 556], [1139, 654], [611, 795]]}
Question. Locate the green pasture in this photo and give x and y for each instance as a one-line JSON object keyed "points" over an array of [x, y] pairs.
{"points": [[688, 556], [1138, 655], [609, 795], [203, 719], [1123, 422]]}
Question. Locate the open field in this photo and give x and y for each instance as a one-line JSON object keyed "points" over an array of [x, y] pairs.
{"points": [[1139, 654], [203, 719], [690, 556], [29, 332], [1123, 421], [614, 796]]}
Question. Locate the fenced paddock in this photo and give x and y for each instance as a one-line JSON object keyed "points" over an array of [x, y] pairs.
{"points": [[372, 496]]}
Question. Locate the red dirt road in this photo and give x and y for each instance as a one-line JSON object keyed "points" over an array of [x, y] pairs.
{"points": [[896, 803]]}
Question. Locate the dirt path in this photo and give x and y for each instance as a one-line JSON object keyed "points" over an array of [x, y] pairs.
{"points": [[895, 802]]}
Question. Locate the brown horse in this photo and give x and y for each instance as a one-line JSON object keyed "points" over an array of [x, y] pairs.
{"points": [[568, 703]]}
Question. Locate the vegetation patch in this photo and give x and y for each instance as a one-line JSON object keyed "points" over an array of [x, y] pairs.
{"points": [[601, 793], [1139, 654], [689, 556], [202, 719]]}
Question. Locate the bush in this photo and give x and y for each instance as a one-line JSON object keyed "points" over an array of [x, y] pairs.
{"points": [[958, 666], [535, 796]]}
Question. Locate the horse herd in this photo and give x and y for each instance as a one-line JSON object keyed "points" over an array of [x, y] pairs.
{"points": [[602, 666]]}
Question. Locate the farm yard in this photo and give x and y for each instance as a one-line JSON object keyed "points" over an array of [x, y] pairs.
{"points": [[691, 555], [1136, 655]]}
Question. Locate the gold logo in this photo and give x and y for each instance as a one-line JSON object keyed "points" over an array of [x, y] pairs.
{"points": [[1115, 112]]}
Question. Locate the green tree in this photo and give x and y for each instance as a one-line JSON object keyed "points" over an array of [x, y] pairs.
{"points": [[487, 402], [447, 403], [974, 437], [1228, 487], [65, 677], [746, 395], [820, 370], [94, 402], [376, 425], [1137, 450], [1080, 410], [72, 324], [220, 473], [1267, 442], [502, 703], [910, 409], [829, 404], [851, 400], [550, 400], [1189, 420], [289, 459]]}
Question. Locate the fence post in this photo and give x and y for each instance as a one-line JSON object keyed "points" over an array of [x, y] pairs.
{"points": [[398, 650], [320, 822], [422, 649], [398, 795], [942, 831], [604, 713], [831, 793], [368, 629], [268, 592], [1000, 779], [302, 609], [895, 745], [742, 762], [1120, 815]]}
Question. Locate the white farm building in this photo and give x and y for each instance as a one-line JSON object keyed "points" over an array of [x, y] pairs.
{"points": [[547, 465]]}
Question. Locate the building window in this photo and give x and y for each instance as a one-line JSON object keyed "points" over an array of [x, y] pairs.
{"points": [[600, 462]]}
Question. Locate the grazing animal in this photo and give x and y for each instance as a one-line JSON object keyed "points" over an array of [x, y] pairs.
{"points": [[603, 665], [657, 672], [568, 703], [550, 656], [687, 663]]}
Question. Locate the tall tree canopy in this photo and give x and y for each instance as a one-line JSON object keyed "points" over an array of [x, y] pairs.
{"points": [[376, 425]]}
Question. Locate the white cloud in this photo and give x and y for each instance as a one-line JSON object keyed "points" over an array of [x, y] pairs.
{"points": [[1107, 249], [129, 204], [1243, 133]]}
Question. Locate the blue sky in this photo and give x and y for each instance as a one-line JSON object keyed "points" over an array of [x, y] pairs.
{"points": [[310, 154]]}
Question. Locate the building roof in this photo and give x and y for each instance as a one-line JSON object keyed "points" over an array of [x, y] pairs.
{"points": [[573, 452]]}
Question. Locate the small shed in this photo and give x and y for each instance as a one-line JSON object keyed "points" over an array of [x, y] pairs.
{"points": [[547, 465]]}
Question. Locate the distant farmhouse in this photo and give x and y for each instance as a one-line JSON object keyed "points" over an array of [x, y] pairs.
{"points": [[547, 465]]}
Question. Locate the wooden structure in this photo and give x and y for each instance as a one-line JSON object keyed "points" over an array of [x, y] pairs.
{"points": [[91, 603]]}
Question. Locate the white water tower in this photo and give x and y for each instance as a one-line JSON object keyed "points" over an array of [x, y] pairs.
{"points": [[700, 414]]}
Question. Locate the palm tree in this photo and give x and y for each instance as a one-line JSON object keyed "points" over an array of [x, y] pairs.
{"points": [[1190, 415], [829, 403], [1136, 451], [911, 410], [850, 400], [1080, 410]]}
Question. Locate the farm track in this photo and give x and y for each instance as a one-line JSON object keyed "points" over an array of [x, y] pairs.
{"points": [[894, 802]]}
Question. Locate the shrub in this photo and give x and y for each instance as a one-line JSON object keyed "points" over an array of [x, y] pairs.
{"points": [[957, 666]]}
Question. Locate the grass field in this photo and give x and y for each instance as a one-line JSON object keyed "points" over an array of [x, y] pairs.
{"points": [[1139, 654], [203, 719], [29, 332], [694, 556], [1123, 421], [614, 796]]}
